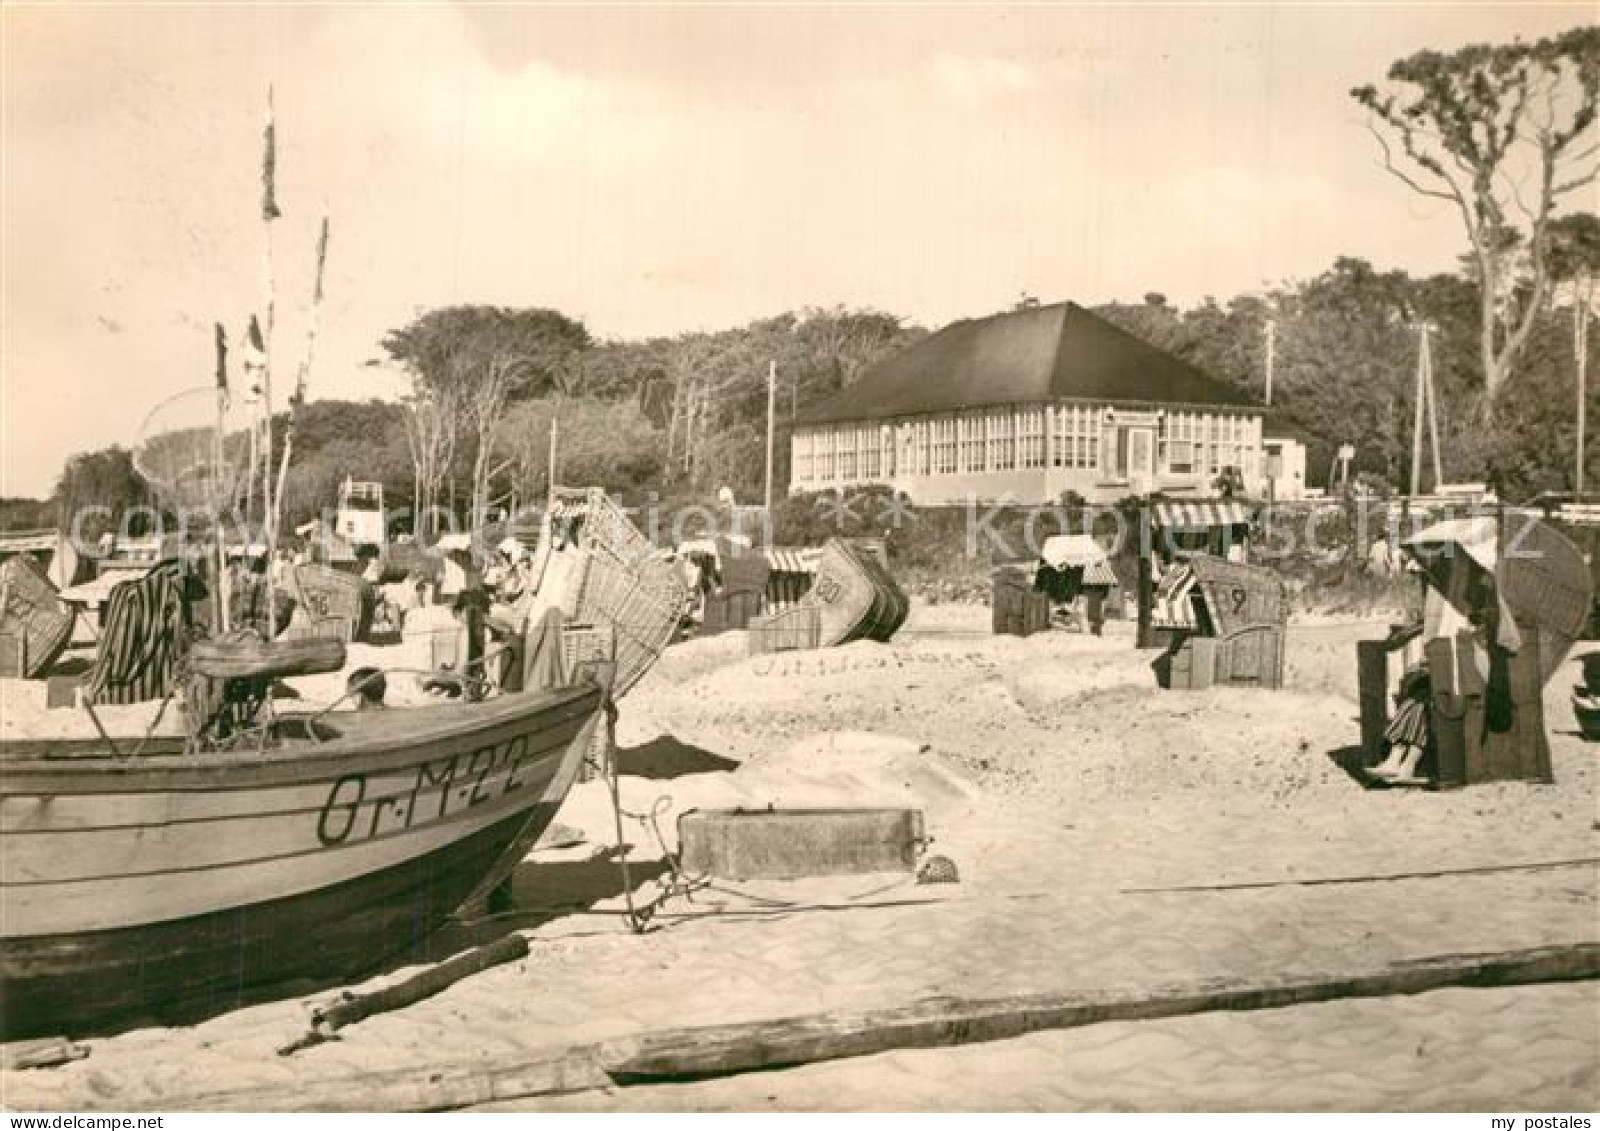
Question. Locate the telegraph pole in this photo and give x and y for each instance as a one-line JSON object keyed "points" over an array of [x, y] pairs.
{"points": [[1580, 349], [772, 400], [1272, 344], [1425, 404], [550, 475], [1433, 404]]}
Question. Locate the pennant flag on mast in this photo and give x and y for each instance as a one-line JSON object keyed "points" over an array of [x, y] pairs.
{"points": [[322, 258], [299, 396], [222, 358], [269, 167], [255, 357]]}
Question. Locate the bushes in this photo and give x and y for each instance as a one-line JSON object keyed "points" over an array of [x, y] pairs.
{"points": [[946, 553]]}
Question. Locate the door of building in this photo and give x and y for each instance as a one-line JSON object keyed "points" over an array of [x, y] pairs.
{"points": [[1141, 459]]}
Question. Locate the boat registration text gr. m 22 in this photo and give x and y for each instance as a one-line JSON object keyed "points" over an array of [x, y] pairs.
{"points": [[440, 788]]}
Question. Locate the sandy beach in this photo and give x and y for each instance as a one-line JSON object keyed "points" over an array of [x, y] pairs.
{"points": [[1107, 834]]}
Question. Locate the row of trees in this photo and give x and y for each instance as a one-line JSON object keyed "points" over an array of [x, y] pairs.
{"points": [[488, 384], [687, 415], [680, 416], [1345, 359]]}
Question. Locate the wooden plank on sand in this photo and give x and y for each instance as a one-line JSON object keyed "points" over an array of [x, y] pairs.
{"points": [[686, 1053], [726, 1049], [41, 1052], [327, 1021]]}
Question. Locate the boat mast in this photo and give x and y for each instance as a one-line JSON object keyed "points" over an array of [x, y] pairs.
{"points": [[299, 395], [269, 213], [220, 588]]}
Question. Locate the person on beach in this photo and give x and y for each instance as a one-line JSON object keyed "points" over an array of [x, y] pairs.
{"points": [[367, 687], [1406, 737], [1094, 597], [1381, 558], [498, 570]]}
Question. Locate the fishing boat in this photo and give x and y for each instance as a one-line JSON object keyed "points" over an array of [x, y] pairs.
{"points": [[165, 880], [157, 877]]}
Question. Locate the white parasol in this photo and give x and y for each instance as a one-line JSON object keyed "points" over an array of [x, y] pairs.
{"points": [[1068, 551]]}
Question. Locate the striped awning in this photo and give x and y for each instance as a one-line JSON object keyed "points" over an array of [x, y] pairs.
{"points": [[1202, 514], [1099, 573], [788, 560]]}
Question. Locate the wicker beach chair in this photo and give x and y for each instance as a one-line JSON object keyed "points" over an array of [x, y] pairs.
{"points": [[35, 624]]}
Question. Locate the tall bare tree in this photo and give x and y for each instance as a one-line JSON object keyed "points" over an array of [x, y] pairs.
{"points": [[484, 411], [432, 423], [1503, 133], [487, 357]]}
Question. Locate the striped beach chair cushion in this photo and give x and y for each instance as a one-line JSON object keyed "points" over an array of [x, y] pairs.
{"points": [[141, 640], [1173, 608]]}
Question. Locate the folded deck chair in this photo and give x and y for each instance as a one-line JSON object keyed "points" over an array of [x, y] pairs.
{"points": [[141, 640]]}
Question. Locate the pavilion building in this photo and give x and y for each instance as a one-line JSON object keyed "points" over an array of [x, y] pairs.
{"points": [[1025, 406]]}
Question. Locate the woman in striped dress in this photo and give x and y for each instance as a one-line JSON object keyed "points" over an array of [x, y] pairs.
{"points": [[1406, 736]]}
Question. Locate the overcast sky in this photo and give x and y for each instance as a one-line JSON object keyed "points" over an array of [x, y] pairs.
{"points": [[661, 169]]}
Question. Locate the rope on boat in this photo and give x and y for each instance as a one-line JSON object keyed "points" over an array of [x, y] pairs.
{"points": [[116, 751], [639, 917]]}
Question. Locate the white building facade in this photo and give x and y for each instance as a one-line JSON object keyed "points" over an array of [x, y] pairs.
{"points": [[1034, 453], [1283, 470], [892, 428]]}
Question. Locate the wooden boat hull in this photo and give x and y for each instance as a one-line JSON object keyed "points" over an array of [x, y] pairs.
{"points": [[170, 886]]}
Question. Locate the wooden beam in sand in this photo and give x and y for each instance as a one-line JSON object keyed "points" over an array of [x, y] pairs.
{"points": [[723, 1050], [348, 1010], [41, 1052], [719, 1050]]}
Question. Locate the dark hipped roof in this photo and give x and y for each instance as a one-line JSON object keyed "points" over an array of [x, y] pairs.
{"points": [[1023, 357]]}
